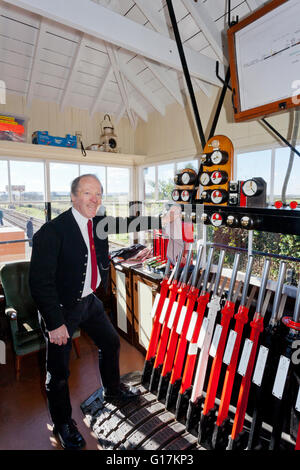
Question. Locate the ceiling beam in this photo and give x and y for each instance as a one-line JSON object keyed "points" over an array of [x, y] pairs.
{"points": [[172, 86], [113, 57], [138, 84], [206, 24], [138, 108], [92, 19], [34, 72], [120, 113], [73, 71], [153, 17], [107, 76]]}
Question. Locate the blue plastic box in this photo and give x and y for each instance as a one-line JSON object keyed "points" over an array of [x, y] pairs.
{"points": [[43, 138]]}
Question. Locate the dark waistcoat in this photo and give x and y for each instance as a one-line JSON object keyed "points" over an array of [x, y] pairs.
{"points": [[58, 266]]}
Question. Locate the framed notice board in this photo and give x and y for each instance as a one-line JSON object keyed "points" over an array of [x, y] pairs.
{"points": [[264, 53]]}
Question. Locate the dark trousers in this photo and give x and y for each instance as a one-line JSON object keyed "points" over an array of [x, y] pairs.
{"points": [[90, 316]]}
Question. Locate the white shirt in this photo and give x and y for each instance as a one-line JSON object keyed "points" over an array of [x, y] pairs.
{"points": [[82, 222]]}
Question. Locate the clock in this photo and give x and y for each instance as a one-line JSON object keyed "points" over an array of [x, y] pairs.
{"points": [[252, 187]]}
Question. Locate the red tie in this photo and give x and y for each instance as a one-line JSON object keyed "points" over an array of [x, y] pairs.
{"points": [[93, 256]]}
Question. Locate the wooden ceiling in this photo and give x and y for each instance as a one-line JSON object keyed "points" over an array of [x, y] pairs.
{"points": [[112, 56]]}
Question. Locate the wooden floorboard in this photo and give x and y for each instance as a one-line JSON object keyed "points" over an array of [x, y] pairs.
{"points": [[24, 420]]}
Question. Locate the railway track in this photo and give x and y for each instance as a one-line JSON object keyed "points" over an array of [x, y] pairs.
{"points": [[18, 219]]}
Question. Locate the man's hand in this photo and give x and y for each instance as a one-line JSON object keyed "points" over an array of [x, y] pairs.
{"points": [[59, 335]]}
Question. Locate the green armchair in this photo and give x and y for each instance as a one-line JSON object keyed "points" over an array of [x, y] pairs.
{"points": [[27, 337]]}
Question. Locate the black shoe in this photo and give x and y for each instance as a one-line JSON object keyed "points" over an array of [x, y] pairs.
{"points": [[122, 395], [69, 436]]}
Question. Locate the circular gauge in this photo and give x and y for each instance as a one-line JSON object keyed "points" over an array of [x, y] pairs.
{"points": [[216, 219], [218, 196], [218, 157], [252, 187], [219, 177], [175, 195], [188, 177], [185, 195], [205, 179]]}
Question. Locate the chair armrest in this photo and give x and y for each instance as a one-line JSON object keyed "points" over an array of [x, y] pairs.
{"points": [[11, 313]]}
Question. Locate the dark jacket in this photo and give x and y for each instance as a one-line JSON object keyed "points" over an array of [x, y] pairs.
{"points": [[58, 266]]}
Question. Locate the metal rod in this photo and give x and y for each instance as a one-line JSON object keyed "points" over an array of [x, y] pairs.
{"points": [[260, 253], [186, 72], [247, 280], [278, 292], [220, 104], [233, 276], [197, 265], [207, 270], [280, 136], [263, 286]]}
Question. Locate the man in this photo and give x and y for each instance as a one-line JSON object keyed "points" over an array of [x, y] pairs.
{"points": [[29, 230], [67, 263]]}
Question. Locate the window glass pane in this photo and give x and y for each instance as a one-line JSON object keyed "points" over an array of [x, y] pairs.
{"points": [[18, 223], [3, 181], [61, 177], [237, 238], [276, 244], [149, 182], [118, 184], [27, 181], [282, 157], [117, 199], [255, 164], [191, 164], [99, 171], [165, 181]]}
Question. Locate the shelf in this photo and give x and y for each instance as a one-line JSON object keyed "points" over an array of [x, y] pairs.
{"points": [[49, 152]]}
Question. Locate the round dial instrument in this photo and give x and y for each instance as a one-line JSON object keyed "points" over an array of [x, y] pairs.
{"points": [[218, 196], [218, 157], [185, 195], [205, 179], [216, 219], [252, 187], [219, 177], [188, 177], [175, 195]]}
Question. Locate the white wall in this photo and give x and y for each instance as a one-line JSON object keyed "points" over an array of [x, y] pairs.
{"points": [[171, 137], [46, 116]]}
